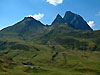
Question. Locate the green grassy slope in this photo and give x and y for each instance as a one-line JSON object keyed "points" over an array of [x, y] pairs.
{"points": [[65, 63], [58, 50]]}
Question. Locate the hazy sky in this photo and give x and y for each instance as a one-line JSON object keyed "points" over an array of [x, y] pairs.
{"points": [[13, 11]]}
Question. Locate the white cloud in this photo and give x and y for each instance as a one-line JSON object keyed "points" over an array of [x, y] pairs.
{"points": [[37, 16], [98, 14], [91, 23], [55, 2]]}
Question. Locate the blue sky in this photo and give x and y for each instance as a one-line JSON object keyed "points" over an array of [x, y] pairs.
{"points": [[13, 11]]}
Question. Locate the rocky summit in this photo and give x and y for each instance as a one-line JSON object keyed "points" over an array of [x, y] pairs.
{"points": [[75, 20]]}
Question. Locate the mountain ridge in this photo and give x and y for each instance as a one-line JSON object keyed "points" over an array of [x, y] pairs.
{"points": [[75, 20]]}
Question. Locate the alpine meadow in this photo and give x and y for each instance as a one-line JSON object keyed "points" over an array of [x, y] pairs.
{"points": [[68, 46]]}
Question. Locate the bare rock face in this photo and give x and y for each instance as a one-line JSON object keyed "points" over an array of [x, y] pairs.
{"points": [[58, 20], [76, 21]]}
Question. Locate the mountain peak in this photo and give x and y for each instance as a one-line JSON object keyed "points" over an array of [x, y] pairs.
{"points": [[69, 12], [75, 20], [58, 19], [31, 21], [69, 16], [29, 18], [58, 16], [27, 26]]}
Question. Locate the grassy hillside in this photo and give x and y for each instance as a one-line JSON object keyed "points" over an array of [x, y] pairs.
{"points": [[57, 50], [65, 63]]}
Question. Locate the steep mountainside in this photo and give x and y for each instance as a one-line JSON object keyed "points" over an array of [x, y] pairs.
{"points": [[28, 26], [76, 21], [58, 20]]}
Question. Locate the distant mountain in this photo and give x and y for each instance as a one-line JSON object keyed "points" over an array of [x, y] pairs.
{"points": [[27, 26], [32, 29], [58, 20], [30, 26], [76, 21]]}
